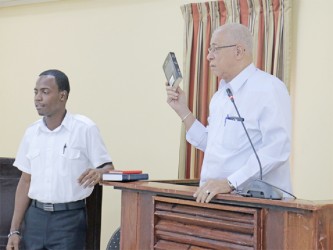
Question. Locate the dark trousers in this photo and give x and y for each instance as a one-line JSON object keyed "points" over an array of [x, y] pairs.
{"points": [[54, 230]]}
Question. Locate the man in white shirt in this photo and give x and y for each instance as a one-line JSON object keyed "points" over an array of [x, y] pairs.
{"points": [[61, 156], [264, 104]]}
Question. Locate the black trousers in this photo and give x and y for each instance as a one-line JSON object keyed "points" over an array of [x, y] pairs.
{"points": [[54, 230]]}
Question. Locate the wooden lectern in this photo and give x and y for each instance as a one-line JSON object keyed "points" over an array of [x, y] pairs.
{"points": [[164, 215]]}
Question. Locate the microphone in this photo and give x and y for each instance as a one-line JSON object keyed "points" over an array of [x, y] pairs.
{"points": [[256, 188]]}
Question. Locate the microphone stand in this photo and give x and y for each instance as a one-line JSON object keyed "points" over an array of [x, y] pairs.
{"points": [[256, 188]]}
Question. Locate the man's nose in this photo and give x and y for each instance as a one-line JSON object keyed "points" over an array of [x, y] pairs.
{"points": [[38, 96], [210, 56]]}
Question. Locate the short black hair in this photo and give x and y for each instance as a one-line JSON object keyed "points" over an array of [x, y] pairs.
{"points": [[60, 77]]}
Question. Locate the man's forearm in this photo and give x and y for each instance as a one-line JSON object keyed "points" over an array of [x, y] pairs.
{"points": [[106, 168], [21, 202]]}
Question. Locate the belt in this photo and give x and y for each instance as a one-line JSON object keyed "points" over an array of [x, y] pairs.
{"points": [[53, 207]]}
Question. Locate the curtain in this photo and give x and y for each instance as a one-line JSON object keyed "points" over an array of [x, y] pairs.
{"points": [[270, 24]]}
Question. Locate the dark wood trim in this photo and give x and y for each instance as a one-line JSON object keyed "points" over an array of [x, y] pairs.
{"points": [[94, 217], [9, 177]]}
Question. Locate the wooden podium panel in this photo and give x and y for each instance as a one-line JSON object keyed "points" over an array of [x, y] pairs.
{"points": [[211, 226], [162, 215]]}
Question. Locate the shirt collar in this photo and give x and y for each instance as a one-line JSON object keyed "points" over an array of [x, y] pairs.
{"points": [[236, 83], [66, 122]]}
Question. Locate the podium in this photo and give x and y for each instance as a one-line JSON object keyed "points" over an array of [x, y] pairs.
{"points": [[164, 215]]}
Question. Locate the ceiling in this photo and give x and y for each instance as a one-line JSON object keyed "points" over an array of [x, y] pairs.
{"points": [[6, 3]]}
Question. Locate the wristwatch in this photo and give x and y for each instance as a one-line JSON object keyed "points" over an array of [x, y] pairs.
{"points": [[231, 186], [14, 232]]}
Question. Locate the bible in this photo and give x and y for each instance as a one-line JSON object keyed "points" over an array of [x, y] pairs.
{"points": [[171, 70]]}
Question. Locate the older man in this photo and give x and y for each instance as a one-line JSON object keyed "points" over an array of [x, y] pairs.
{"points": [[264, 104]]}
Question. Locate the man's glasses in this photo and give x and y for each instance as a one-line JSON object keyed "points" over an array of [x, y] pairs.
{"points": [[212, 49]]}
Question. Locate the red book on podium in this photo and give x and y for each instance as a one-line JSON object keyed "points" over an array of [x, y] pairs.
{"points": [[116, 171]]}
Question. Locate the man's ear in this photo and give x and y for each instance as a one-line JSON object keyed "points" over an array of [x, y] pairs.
{"points": [[240, 51], [63, 95]]}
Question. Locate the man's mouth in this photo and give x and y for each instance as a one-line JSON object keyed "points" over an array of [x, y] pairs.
{"points": [[39, 106]]}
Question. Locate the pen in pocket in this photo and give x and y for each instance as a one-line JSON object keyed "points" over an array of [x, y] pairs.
{"points": [[233, 118]]}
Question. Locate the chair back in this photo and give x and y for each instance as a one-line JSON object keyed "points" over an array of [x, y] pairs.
{"points": [[9, 177]]}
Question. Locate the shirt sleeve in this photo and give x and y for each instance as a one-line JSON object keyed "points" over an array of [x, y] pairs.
{"points": [[97, 151], [197, 135], [21, 160]]}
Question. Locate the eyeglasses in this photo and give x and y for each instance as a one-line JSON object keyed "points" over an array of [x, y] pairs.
{"points": [[212, 49]]}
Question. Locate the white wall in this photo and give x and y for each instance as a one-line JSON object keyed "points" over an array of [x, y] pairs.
{"points": [[112, 51], [312, 90]]}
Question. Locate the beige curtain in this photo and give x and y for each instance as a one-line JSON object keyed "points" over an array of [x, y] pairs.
{"points": [[269, 23]]}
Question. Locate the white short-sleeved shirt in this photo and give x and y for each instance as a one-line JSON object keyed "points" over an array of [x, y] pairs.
{"points": [[56, 159], [264, 103]]}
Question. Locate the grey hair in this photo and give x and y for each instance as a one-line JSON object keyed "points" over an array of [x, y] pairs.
{"points": [[238, 33]]}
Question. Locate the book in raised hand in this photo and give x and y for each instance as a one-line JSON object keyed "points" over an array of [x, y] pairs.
{"points": [[171, 70], [123, 176]]}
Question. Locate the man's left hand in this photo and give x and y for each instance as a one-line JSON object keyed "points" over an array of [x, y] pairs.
{"points": [[211, 188], [90, 177]]}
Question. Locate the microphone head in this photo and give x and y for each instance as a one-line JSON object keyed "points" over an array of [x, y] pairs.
{"points": [[230, 94]]}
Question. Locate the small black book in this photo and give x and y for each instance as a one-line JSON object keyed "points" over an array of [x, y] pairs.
{"points": [[124, 177], [171, 70]]}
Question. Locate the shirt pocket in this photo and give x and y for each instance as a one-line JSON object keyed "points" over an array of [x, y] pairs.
{"points": [[70, 159], [33, 154], [233, 134], [72, 154], [34, 157]]}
